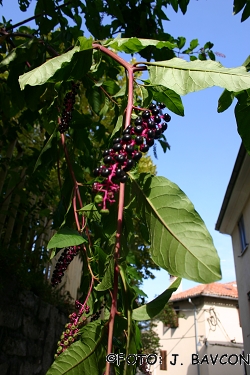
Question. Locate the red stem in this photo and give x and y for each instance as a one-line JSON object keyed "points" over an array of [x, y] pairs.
{"points": [[130, 71]]}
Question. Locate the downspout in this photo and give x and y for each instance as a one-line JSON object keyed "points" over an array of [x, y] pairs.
{"points": [[195, 332]]}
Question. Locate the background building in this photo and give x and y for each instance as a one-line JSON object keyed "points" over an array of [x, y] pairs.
{"points": [[234, 219], [208, 328]]}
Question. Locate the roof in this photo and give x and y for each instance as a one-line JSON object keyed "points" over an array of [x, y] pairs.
{"points": [[227, 290]]}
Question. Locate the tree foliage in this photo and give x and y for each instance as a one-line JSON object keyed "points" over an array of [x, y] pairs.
{"points": [[66, 103]]}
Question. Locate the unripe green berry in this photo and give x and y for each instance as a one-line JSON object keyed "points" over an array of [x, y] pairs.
{"points": [[98, 199], [104, 211]]}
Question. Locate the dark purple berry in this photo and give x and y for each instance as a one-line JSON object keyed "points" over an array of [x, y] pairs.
{"points": [[164, 126], [105, 153], [126, 138], [139, 140], [152, 106], [158, 133], [127, 130], [155, 111], [138, 121], [137, 155], [151, 124], [138, 129], [96, 172], [119, 173], [120, 158], [124, 178], [129, 149], [146, 115], [151, 133], [117, 147], [144, 148], [166, 117], [150, 142], [116, 140], [129, 165], [161, 105], [105, 172], [157, 119], [108, 159]]}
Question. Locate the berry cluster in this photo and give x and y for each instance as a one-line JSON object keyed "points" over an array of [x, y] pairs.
{"points": [[127, 151], [68, 104], [62, 264], [97, 314], [71, 332]]}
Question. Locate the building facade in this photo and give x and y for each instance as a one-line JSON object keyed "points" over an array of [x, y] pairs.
{"points": [[234, 219], [207, 339]]}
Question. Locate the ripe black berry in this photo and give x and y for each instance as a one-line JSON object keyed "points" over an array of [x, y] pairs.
{"points": [[161, 105], [117, 147], [127, 130], [124, 178], [152, 106], [116, 140], [137, 155], [155, 111], [151, 124], [129, 165], [164, 126], [144, 148], [157, 119], [158, 132], [138, 129], [138, 139], [105, 153], [96, 172], [138, 121], [119, 173], [166, 117], [129, 149], [150, 142], [126, 138], [105, 172], [107, 159], [146, 114], [151, 133], [120, 158]]}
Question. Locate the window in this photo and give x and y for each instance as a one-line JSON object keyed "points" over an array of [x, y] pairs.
{"points": [[243, 241], [163, 364]]}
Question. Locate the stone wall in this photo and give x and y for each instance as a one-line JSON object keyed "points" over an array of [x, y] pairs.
{"points": [[29, 332]]}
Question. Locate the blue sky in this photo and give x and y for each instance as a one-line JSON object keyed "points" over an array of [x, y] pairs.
{"points": [[204, 144]]}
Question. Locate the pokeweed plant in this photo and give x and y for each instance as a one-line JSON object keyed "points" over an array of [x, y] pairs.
{"points": [[99, 222]]}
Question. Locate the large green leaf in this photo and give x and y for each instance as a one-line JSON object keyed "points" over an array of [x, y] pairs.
{"points": [[82, 357], [242, 115], [132, 45], [184, 77], [151, 309], [169, 98], [71, 65], [180, 242], [108, 278], [65, 237]]}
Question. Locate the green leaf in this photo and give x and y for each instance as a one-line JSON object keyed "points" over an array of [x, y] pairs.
{"points": [[132, 45], [118, 126], [46, 147], [242, 115], [83, 357], [238, 6], [153, 308], [193, 44], [181, 42], [225, 100], [180, 241], [91, 212], [65, 237], [246, 12], [108, 278], [184, 77], [169, 98], [44, 72]]}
